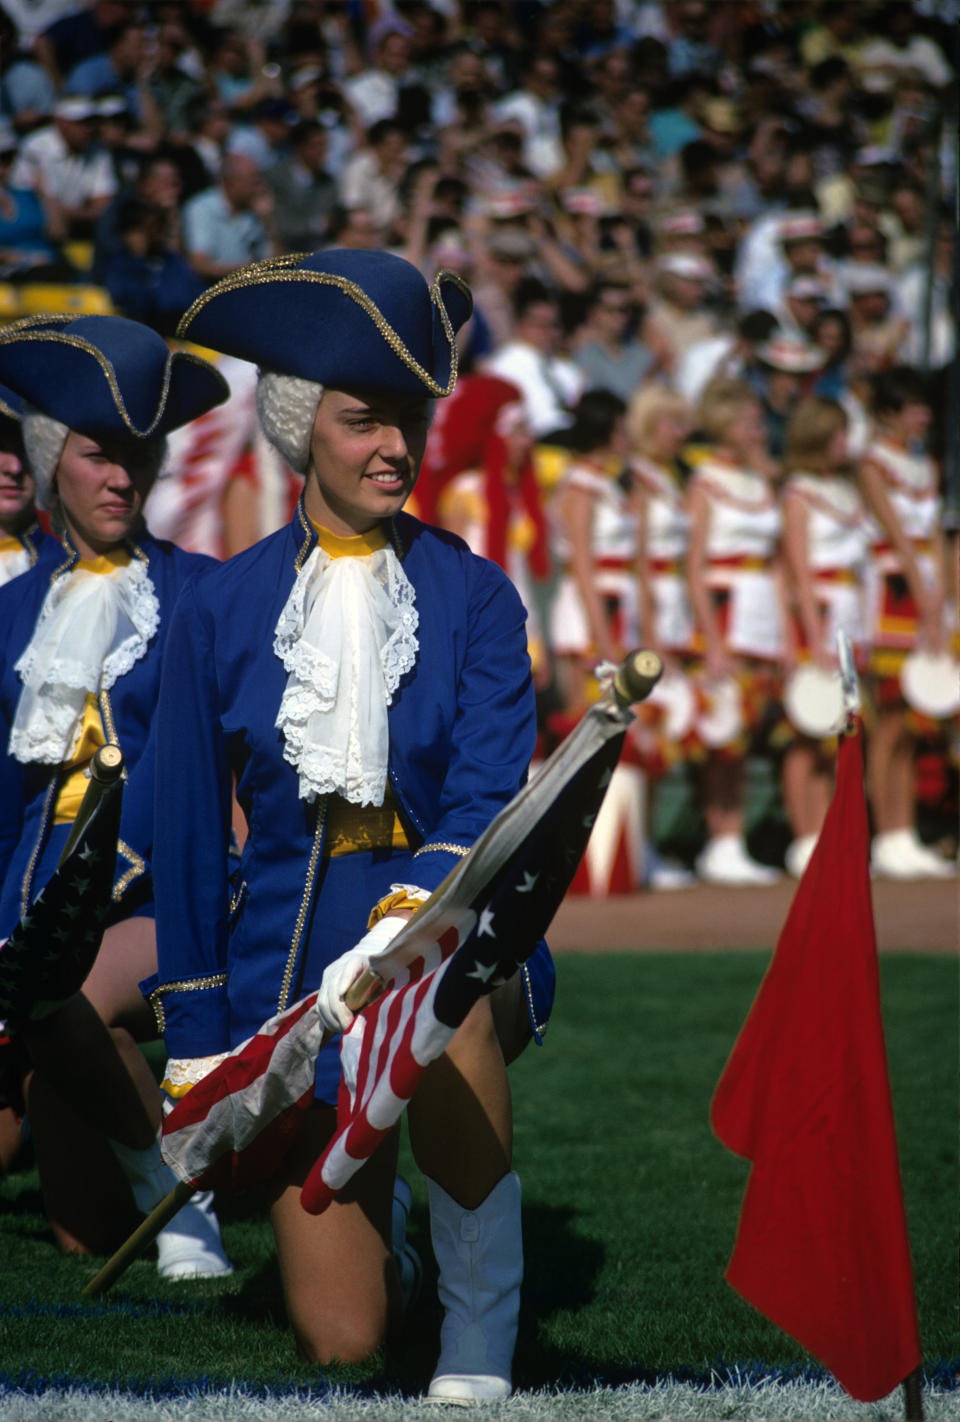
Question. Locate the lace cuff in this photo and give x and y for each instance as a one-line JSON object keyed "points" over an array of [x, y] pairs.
{"points": [[182, 1073], [404, 896]]}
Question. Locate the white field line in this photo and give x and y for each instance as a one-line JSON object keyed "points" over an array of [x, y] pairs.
{"points": [[759, 1401]]}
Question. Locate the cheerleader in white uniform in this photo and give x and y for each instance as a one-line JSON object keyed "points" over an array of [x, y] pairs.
{"points": [[826, 536], [736, 598], [593, 616], [900, 484], [659, 423]]}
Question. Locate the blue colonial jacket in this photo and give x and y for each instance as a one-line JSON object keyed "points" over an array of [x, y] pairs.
{"points": [[30, 843], [462, 733]]}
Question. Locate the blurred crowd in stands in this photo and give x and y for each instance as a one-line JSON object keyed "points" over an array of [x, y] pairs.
{"points": [[712, 250]]}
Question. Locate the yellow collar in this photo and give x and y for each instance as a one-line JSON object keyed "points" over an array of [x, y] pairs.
{"points": [[358, 545], [106, 562]]}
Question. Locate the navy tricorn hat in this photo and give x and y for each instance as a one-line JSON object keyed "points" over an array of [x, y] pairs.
{"points": [[106, 375], [11, 406], [343, 318]]}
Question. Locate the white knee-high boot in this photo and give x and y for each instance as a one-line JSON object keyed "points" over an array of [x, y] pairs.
{"points": [[480, 1256], [189, 1247]]}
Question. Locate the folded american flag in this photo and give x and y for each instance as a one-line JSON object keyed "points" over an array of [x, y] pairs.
{"points": [[485, 919]]}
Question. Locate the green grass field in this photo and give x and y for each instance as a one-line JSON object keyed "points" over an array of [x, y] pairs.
{"points": [[630, 1209]]}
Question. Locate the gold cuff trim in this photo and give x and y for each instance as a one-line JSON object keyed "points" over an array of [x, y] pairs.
{"points": [[155, 998], [460, 849]]}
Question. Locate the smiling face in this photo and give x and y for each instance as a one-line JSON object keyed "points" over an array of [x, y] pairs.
{"points": [[365, 455], [101, 489]]}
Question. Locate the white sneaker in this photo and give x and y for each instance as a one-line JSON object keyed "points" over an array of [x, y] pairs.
{"points": [[899, 854], [799, 854], [725, 860], [480, 1256], [190, 1247]]}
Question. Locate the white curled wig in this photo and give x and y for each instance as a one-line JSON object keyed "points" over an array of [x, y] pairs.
{"points": [[287, 406], [43, 441]]}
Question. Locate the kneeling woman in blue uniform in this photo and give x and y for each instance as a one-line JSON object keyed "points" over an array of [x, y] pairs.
{"points": [[81, 640], [365, 680]]}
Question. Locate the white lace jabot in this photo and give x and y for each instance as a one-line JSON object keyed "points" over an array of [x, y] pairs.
{"points": [[92, 628], [346, 636]]}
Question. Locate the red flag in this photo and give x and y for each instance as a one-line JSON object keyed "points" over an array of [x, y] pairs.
{"points": [[822, 1244]]}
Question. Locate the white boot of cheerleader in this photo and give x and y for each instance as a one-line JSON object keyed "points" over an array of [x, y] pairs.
{"points": [[480, 1256], [189, 1247]]}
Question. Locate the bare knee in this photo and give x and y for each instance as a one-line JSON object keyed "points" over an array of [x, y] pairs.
{"points": [[335, 1337]]}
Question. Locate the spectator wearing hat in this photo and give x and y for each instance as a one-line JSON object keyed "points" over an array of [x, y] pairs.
{"points": [[605, 350], [803, 299], [304, 192], [506, 256], [120, 138], [682, 229], [226, 226], [550, 383], [788, 365], [678, 316], [777, 249], [349, 408], [81, 649], [731, 353], [877, 328], [70, 175], [22, 540]]}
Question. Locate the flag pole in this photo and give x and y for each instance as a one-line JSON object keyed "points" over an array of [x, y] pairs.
{"points": [[913, 1382], [142, 1237], [913, 1396], [106, 768]]}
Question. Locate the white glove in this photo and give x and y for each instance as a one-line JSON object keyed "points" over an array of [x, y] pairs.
{"points": [[342, 973]]}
